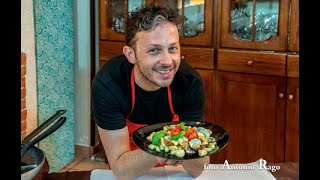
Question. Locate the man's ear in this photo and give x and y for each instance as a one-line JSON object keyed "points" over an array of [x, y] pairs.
{"points": [[129, 53]]}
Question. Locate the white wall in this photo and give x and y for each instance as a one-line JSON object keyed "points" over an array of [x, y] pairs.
{"points": [[82, 72], [28, 47]]}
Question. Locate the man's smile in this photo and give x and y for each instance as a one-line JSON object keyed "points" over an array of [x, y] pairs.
{"points": [[163, 71]]}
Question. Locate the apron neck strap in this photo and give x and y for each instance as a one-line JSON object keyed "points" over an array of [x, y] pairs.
{"points": [[175, 117]]}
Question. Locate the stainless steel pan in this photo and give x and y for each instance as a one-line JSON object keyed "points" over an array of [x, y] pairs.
{"points": [[32, 163], [32, 158]]}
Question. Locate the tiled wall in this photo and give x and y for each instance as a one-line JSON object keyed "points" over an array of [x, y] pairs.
{"points": [[55, 76], [23, 96]]}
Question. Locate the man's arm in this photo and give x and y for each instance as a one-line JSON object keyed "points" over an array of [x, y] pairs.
{"points": [[125, 164]]}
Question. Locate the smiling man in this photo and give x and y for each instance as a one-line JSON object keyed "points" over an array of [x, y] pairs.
{"points": [[147, 84]]}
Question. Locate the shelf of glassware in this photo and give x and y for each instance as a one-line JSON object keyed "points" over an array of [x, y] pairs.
{"points": [[255, 24]]}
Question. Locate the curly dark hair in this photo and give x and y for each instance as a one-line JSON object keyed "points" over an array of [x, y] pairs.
{"points": [[145, 18]]}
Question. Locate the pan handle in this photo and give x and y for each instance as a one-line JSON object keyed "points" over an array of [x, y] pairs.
{"points": [[50, 130], [28, 138]]}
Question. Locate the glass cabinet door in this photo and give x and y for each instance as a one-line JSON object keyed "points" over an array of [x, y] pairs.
{"points": [[196, 28], [255, 24], [112, 16]]}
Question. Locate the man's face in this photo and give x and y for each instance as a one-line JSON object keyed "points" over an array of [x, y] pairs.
{"points": [[157, 55]]}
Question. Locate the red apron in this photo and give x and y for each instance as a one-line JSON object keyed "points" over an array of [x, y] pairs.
{"points": [[132, 126]]}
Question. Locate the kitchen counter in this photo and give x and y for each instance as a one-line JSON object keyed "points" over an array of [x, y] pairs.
{"points": [[287, 171]]}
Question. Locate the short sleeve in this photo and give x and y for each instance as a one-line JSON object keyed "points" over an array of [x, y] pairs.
{"points": [[106, 108]]}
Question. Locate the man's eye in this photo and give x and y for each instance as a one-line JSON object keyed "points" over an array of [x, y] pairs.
{"points": [[173, 49], [155, 51]]}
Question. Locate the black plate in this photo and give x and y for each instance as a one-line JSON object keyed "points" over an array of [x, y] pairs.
{"points": [[140, 138]]}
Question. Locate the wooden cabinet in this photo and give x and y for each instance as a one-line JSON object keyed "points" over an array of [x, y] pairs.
{"points": [[252, 109], [259, 106], [247, 52], [257, 80], [249, 96]]}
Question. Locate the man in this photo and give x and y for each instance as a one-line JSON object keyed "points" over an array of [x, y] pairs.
{"points": [[148, 84]]}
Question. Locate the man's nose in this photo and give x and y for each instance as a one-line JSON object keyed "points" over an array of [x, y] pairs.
{"points": [[166, 58]]}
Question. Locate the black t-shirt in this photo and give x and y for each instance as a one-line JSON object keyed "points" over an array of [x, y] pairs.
{"points": [[111, 97]]}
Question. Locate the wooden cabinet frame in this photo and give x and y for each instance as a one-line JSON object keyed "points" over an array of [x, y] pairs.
{"points": [[292, 121], [292, 109], [294, 26]]}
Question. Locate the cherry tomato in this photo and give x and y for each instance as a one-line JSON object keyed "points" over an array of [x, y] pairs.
{"points": [[191, 134], [175, 131]]}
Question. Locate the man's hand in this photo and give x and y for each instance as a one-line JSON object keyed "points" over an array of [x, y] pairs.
{"points": [[195, 166], [171, 162]]}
